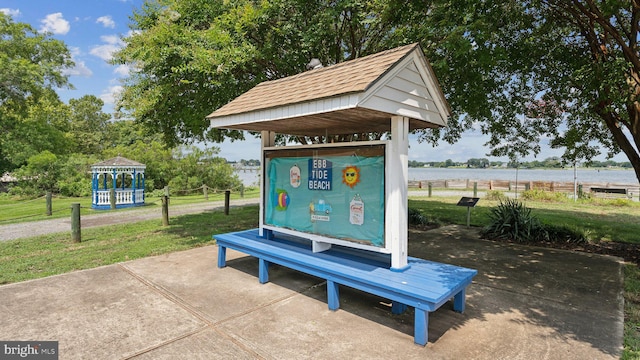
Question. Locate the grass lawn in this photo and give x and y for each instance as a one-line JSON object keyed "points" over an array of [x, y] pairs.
{"points": [[600, 220], [37, 257], [42, 256], [15, 210]]}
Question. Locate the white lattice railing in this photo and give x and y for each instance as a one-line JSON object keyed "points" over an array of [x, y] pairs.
{"points": [[123, 197]]}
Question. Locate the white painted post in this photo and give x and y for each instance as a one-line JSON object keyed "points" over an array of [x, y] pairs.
{"points": [[396, 227], [268, 139]]}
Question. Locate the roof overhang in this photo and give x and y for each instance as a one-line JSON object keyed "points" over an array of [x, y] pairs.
{"points": [[403, 86]]}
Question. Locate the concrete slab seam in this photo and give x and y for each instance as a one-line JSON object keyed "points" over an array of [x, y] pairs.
{"points": [[187, 307]]}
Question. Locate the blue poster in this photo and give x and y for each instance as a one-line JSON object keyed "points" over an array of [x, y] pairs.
{"points": [[343, 197]]}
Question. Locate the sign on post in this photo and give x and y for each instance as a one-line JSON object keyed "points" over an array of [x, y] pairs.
{"points": [[469, 202]]}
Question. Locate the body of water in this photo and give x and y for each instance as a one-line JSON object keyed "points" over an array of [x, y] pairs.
{"points": [[250, 178], [560, 175]]}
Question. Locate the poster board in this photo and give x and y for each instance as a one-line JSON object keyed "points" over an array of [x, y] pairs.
{"points": [[328, 193]]}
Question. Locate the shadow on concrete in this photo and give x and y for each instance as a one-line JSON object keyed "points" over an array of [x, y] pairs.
{"points": [[356, 302], [577, 296]]}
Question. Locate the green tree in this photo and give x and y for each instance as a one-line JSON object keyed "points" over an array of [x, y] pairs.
{"points": [[40, 127], [31, 67], [39, 175], [193, 56], [88, 125], [534, 69], [523, 70], [196, 167]]}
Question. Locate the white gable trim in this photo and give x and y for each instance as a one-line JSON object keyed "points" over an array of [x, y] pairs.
{"points": [[410, 90]]}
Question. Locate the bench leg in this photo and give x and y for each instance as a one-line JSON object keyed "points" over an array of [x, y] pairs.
{"points": [[263, 271], [420, 327], [398, 308], [333, 295], [222, 256], [458, 301]]}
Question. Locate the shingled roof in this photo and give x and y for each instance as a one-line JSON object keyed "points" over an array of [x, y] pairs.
{"points": [[354, 96], [119, 161]]}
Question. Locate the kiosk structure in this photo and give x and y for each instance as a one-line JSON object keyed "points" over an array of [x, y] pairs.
{"points": [[339, 210]]}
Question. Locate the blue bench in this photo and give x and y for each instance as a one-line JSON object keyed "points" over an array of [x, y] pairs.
{"points": [[424, 285]]}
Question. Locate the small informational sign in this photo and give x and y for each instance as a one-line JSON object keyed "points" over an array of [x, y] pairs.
{"points": [[468, 201]]}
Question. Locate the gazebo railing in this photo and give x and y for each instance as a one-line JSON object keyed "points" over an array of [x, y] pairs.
{"points": [[123, 197]]}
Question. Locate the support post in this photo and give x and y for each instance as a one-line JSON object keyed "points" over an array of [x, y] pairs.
{"points": [[75, 222], [475, 189], [430, 188], [420, 327], [397, 227], [333, 295], [165, 210], [267, 139], [227, 196], [458, 301], [206, 193], [263, 271], [222, 256], [49, 205]]}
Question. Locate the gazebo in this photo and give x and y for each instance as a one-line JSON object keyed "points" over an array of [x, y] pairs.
{"points": [[118, 177]]}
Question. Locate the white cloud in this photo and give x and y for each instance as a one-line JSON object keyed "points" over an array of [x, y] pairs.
{"points": [[79, 70], [110, 94], [106, 21], [55, 23], [10, 12], [105, 51], [122, 70]]}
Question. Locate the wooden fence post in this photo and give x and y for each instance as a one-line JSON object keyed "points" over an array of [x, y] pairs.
{"points": [[49, 205], [204, 190], [112, 198], [75, 222], [430, 188], [227, 195], [475, 189], [165, 210]]}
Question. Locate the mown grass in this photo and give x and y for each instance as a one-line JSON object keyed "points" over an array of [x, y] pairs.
{"points": [[15, 210], [600, 219], [42, 256]]}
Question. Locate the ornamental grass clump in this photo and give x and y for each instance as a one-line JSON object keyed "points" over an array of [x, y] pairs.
{"points": [[512, 221]]}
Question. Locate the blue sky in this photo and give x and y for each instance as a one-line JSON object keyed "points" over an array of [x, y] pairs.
{"points": [[93, 29]]}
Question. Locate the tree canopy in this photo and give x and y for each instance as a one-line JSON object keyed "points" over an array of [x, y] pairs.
{"points": [[31, 68], [522, 71]]}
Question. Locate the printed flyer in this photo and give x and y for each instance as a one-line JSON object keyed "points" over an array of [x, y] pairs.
{"points": [[333, 192]]}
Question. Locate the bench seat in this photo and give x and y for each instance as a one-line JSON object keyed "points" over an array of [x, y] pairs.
{"points": [[424, 285]]}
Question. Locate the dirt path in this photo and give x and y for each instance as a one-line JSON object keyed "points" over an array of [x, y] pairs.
{"points": [[44, 227]]}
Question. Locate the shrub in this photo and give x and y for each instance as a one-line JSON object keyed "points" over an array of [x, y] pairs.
{"points": [[417, 218], [511, 220], [563, 234], [542, 195], [495, 195]]}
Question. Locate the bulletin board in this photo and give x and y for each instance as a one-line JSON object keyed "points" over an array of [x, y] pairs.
{"points": [[332, 191]]}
